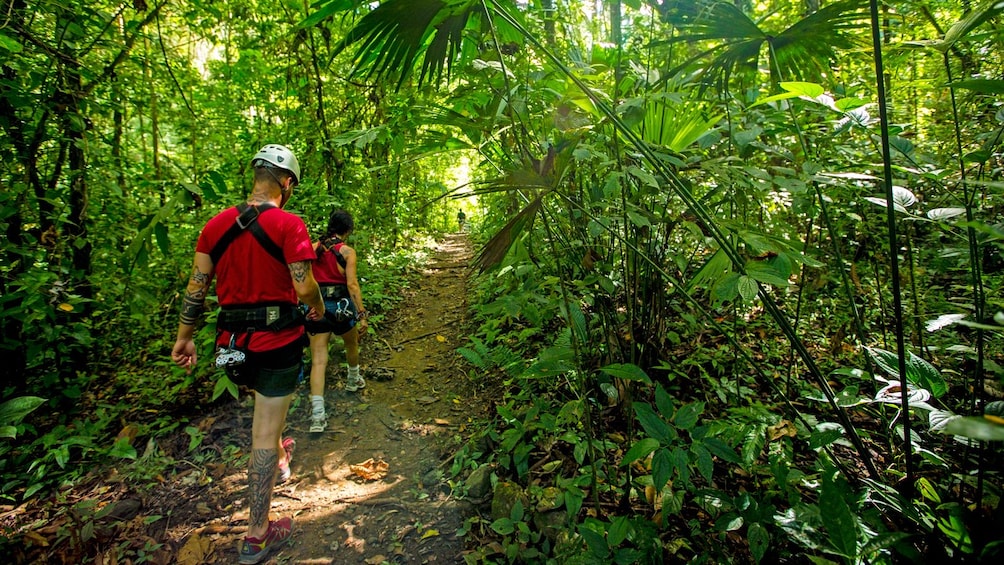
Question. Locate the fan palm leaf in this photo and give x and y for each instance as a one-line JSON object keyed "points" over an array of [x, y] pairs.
{"points": [[392, 38], [803, 51]]}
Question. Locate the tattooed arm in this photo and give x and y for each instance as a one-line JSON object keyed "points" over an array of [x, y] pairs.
{"points": [[307, 289], [192, 305]]}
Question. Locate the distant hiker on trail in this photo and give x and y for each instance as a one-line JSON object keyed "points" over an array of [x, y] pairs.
{"points": [[260, 277], [335, 270], [461, 217]]}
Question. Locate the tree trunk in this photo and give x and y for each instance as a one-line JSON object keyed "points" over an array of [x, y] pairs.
{"points": [[74, 126]]}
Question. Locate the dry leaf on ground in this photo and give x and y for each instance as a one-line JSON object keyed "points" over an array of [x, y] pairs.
{"points": [[371, 469]]}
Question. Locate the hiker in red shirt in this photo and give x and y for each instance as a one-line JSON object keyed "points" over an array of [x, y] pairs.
{"points": [[261, 258], [335, 270]]}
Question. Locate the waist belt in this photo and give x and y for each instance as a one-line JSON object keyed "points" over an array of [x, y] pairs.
{"points": [[334, 291], [270, 318]]}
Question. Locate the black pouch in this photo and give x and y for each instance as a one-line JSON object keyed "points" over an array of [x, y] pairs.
{"points": [[232, 359]]}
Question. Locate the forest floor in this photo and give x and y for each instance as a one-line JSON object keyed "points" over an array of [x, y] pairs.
{"points": [[371, 489]]}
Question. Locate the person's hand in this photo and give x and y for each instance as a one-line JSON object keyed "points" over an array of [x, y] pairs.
{"points": [[313, 315], [361, 326], [184, 355]]}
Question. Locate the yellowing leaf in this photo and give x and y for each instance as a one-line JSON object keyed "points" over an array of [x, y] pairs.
{"points": [[430, 533], [36, 539], [440, 339], [195, 550], [66, 307]]}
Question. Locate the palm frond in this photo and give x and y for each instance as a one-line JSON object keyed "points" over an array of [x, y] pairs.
{"points": [[800, 52], [391, 39], [496, 249]]}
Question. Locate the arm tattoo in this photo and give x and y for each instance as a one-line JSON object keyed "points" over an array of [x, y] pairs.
{"points": [[199, 278], [261, 477], [191, 308], [193, 303], [299, 270]]}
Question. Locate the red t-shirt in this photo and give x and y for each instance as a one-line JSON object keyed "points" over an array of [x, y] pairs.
{"points": [[326, 268], [247, 275]]}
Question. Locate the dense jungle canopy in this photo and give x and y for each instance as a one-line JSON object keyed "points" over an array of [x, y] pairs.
{"points": [[738, 287]]}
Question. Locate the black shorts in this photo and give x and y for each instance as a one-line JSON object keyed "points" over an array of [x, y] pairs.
{"points": [[273, 373], [328, 325]]}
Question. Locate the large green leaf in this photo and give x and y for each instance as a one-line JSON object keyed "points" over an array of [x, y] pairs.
{"points": [[686, 417], [653, 424], [662, 468], [838, 519], [15, 409], [986, 86], [627, 371], [976, 427], [640, 450], [918, 371]]}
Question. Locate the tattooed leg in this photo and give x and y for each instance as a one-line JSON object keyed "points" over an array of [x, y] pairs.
{"points": [[261, 479], [266, 432]]}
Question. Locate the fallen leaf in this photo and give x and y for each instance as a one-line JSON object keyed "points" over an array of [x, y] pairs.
{"points": [[440, 339], [128, 433], [426, 399], [195, 550], [442, 421], [36, 539], [430, 533], [370, 470], [781, 429], [375, 560]]}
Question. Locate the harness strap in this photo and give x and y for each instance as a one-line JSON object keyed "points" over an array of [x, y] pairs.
{"points": [[328, 244], [247, 219], [334, 291], [248, 319]]}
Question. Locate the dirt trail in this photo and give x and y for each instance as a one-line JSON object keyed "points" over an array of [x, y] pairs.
{"points": [[414, 400]]}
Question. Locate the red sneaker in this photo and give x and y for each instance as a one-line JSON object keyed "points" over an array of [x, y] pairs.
{"points": [[256, 550], [288, 445]]}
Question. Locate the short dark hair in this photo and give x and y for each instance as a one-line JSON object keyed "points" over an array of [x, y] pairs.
{"points": [[267, 173], [340, 221]]}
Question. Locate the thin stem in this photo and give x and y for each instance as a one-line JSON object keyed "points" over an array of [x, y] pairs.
{"points": [[893, 243]]}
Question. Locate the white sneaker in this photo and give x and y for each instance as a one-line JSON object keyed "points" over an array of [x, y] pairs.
{"points": [[318, 423], [355, 383]]}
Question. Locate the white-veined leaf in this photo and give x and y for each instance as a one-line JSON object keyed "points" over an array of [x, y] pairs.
{"points": [[942, 214], [942, 321]]}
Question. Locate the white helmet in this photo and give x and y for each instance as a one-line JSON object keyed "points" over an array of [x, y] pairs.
{"points": [[278, 156]]}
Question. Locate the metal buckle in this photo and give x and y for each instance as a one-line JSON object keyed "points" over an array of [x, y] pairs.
{"points": [[252, 214]]}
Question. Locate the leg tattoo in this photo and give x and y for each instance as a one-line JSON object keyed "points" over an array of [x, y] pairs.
{"points": [[261, 477]]}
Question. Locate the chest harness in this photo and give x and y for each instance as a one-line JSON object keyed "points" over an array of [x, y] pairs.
{"points": [[252, 317]]}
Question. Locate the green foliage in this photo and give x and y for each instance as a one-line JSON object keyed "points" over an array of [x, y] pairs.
{"points": [[655, 210], [13, 411]]}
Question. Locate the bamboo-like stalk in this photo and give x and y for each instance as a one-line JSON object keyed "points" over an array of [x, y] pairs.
{"points": [[976, 280], [893, 244]]}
